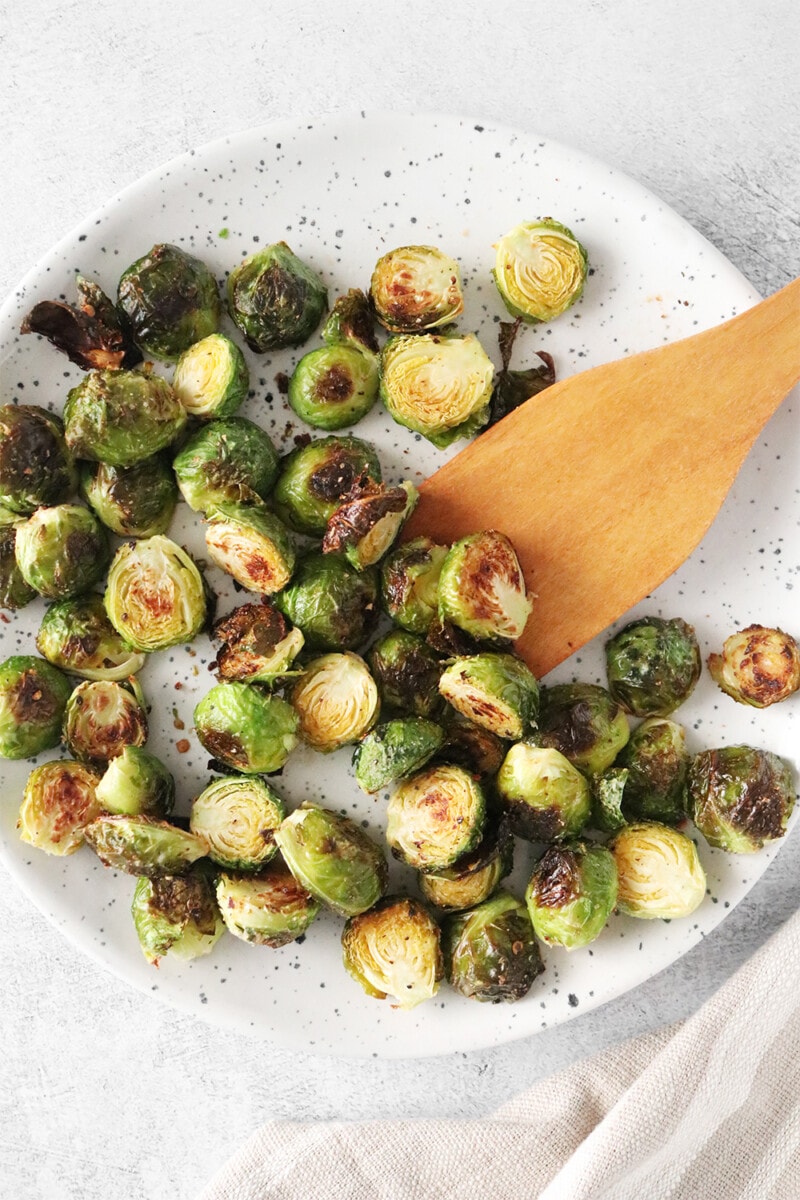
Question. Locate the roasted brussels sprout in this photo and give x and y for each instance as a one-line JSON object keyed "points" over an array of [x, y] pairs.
{"points": [[33, 697], [62, 551], [268, 909], [231, 461], [102, 717], [657, 762], [156, 596], [334, 605], [653, 665], [333, 858], [252, 545], [245, 728], [14, 591], [585, 723], [334, 386], [437, 386], [121, 417], [547, 799], [142, 845], [35, 466], [368, 521], [317, 478], [136, 783], [395, 750], [407, 673], [77, 636], [393, 950], [496, 691], [135, 501], [275, 299], [415, 288], [660, 874], [482, 588], [435, 817], [471, 747], [176, 914], [60, 800], [258, 644], [351, 322], [758, 666], [211, 378], [572, 893], [540, 269], [336, 701], [740, 798], [92, 333], [170, 299], [608, 791], [473, 878], [410, 583], [238, 818], [490, 953]]}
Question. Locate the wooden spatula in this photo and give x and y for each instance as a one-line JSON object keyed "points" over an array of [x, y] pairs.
{"points": [[606, 481]]}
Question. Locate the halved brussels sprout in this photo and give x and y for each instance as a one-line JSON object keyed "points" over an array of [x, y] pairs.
{"points": [[740, 797], [269, 909], [59, 802], [585, 723], [136, 501], [336, 700], [121, 417], [407, 673], [415, 288], [316, 478], [258, 644], [351, 322], [758, 666], [211, 378], [245, 728], [62, 551], [435, 817], [142, 845], [660, 874], [252, 545], [35, 466], [275, 299], [653, 665], [471, 747], [231, 461], [334, 605], [170, 299], [608, 791], [410, 583], [102, 717], [333, 858], [369, 520], [155, 596], [482, 588], [490, 953], [496, 691], [540, 269], [473, 878], [77, 636], [437, 386], [572, 893], [92, 334], [334, 386], [393, 950], [547, 799], [136, 783], [657, 762], [33, 697], [14, 591], [176, 914], [238, 819], [395, 750]]}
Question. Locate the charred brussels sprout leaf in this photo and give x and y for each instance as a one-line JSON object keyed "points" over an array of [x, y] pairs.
{"points": [[245, 728], [334, 605], [657, 762], [585, 723], [136, 783], [156, 596], [653, 665], [59, 802], [316, 479], [102, 718], [35, 466], [496, 691], [143, 846], [414, 288], [608, 791], [473, 878], [572, 893], [170, 299], [410, 583], [14, 591], [238, 819], [62, 551], [333, 858], [540, 269], [513, 388], [471, 747], [334, 386], [395, 750], [275, 299], [230, 461], [211, 378], [435, 817], [258, 645], [660, 874], [336, 701], [547, 799], [407, 672], [758, 666], [176, 914], [437, 386], [121, 417], [135, 501], [490, 952], [77, 636], [268, 909], [482, 588], [740, 797], [393, 950], [252, 545], [368, 522], [33, 697], [92, 333], [351, 323]]}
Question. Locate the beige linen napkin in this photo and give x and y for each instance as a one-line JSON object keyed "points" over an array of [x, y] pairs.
{"points": [[705, 1110]]}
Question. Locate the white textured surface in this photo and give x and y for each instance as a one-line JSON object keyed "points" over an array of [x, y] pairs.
{"points": [[106, 1093]]}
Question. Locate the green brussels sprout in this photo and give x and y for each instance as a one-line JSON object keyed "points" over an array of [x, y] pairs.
{"points": [[585, 723], [238, 818], [496, 691], [252, 545], [415, 288], [155, 596], [334, 605], [211, 378], [471, 747], [336, 701], [482, 588], [60, 800], [142, 845], [657, 762], [653, 665], [121, 417], [333, 858], [540, 269], [136, 783], [758, 666], [35, 466], [435, 817], [176, 914], [437, 386], [547, 799], [407, 673], [170, 299], [102, 717], [316, 478], [334, 386], [14, 591], [740, 797], [33, 697], [275, 299], [572, 893], [608, 791], [92, 333], [351, 323], [136, 501], [659, 872], [230, 461], [245, 728], [368, 522], [410, 583], [393, 950], [258, 645], [473, 878], [269, 909], [490, 953], [394, 751], [62, 551], [77, 636]]}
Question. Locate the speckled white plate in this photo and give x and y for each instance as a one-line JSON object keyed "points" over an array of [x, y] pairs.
{"points": [[341, 192]]}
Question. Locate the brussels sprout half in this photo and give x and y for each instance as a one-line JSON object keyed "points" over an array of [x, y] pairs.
{"points": [[437, 386], [547, 799], [351, 323], [336, 701], [14, 591], [35, 466], [155, 595], [334, 605], [275, 299], [334, 386], [268, 909], [316, 479], [435, 817], [136, 501], [60, 800], [415, 288], [211, 378], [230, 461], [142, 845], [482, 588], [368, 522], [136, 783], [471, 747], [410, 583], [407, 673], [540, 269], [176, 914], [62, 551], [657, 763], [496, 691], [170, 299], [258, 645], [121, 417], [394, 751], [758, 666], [572, 893], [245, 728], [333, 858], [394, 950], [473, 878], [102, 717], [252, 545], [740, 797], [92, 333], [585, 723], [660, 874], [33, 697], [653, 665], [238, 819], [490, 953], [77, 636]]}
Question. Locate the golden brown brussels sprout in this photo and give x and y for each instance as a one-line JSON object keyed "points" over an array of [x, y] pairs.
{"points": [[269, 909], [540, 269], [758, 666], [435, 817], [473, 878], [59, 802], [547, 799], [102, 717], [231, 461], [572, 893], [33, 697], [211, 378], [245, 728], [135, 783], [334, 605], [476, 750], [415, 288], [77, 636], [62, 551], [407, 673], [258, 645], [660, 874], [333, 858], [143, 846], [275, 299], [482, 588], [496, 691], [336, 701], [490, 953], [170, 299], [585, 723], [393, 950], [653, 665], [155, 596], [657, 763], [608, 791], [368, 522], [252, 545], [35, 466], [92, 333], [410, 583], [334, 386], [136, 501], [121, 417], [238, 819], [14, 591], [317, 478], [176, 914], [351, 322], [394, 751], [740, 798], [437, 386]]}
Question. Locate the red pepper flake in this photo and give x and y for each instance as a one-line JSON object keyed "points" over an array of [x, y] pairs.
{"points": [[178, 686], [177, 722], [6, 620], [182, 746]]}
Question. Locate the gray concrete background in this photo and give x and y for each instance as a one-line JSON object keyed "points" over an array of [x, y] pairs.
{"points": [[103, 1092]]}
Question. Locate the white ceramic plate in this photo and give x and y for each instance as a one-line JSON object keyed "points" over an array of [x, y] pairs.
{"points": [[341, 192]]}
